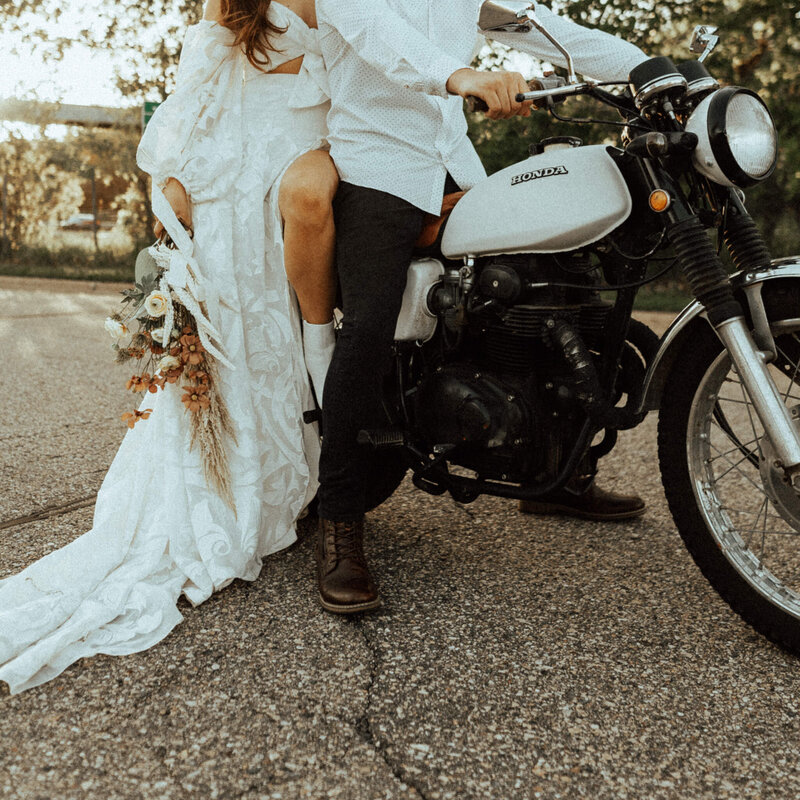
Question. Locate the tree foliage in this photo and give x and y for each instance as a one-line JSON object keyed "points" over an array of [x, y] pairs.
{"points": [[38, 192], [110, 154], [760, 49], [144, 36]]}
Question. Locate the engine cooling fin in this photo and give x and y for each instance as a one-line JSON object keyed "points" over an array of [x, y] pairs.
{"points": [[510, 342]]}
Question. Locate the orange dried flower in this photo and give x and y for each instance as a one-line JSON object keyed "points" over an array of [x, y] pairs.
{"points": [[139, 383], [132, 417], [196, 397], [173, 375], [192, 351]]}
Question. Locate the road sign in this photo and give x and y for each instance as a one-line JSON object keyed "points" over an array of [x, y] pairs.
{"points": [[148, 108]]}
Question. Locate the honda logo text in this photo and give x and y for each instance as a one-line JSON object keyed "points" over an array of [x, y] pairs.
{"points": [[545, 172]]}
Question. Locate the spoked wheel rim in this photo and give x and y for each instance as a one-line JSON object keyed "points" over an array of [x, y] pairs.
{"points": [[752, 514]]}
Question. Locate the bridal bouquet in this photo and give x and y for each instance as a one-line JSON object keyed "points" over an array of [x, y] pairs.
{"points": [[157, 332]]}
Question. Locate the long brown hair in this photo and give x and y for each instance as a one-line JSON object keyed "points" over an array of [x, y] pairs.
{"points": [[250, 23]]}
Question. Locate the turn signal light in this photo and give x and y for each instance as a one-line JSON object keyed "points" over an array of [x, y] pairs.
{"points": [[659, 200]]}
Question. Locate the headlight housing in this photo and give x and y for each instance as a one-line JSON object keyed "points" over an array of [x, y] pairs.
{"points": [[737, 140]]}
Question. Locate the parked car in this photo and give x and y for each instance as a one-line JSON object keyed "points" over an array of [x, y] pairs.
{"points": [[78, 222]]}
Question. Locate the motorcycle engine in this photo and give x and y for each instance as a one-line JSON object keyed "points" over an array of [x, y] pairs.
{"points": [[519, 299], [500, 402], [477, 416]]}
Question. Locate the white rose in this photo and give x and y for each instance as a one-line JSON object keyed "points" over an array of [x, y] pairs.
{"points": [[116, 330], [156, 304], [168, 363], [157, 334]]}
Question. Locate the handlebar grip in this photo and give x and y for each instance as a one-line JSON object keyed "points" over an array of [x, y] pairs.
{"points": [[476, 104]]}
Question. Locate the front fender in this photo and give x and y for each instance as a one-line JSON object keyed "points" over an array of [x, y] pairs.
{"points": [[686, 324]]}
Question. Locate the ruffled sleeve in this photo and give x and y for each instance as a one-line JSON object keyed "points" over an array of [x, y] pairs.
{"points": [[196, 134]]}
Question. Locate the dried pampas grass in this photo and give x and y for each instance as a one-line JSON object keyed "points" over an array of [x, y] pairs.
{"points": [[209, 427]]}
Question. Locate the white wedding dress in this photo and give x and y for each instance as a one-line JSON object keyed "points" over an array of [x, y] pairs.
{"points": [[228, 133]]}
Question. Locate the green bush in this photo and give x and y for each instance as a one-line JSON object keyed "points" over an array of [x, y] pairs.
{"points": [[76, 263]]}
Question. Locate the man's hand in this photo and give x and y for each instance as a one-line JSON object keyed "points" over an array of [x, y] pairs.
{"points": [[496, 89], [181, 205]]}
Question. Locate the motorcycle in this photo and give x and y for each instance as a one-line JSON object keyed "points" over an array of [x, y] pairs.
{"points": [[512, 372]]}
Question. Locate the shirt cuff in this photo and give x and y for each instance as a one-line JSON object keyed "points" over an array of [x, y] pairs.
{"points": [[440, 73]]}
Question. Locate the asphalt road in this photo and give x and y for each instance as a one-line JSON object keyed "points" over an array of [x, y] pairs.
{"points": [[514, 657]]}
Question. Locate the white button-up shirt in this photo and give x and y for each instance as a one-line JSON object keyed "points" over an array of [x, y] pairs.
{"points": [[393, 125]]}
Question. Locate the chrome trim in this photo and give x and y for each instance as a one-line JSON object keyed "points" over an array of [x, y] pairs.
{"points": [[761, 332], [704, 40], [571, 76], [518, 17], [657, 86], [701, 85]]}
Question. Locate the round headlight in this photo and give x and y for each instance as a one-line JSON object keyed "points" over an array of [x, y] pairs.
{"points": [[737, 140]]}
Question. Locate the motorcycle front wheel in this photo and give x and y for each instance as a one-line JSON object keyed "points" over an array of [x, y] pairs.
{"points": [[737, 516]]}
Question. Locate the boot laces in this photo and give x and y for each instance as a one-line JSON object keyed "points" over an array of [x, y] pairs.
{"points": [[344, 542]]}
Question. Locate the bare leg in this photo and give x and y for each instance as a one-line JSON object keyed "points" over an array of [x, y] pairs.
{"points": [[309, 236]]}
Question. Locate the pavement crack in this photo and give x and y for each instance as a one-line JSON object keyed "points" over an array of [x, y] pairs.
{"points": [[49, 511], [363, 724]]}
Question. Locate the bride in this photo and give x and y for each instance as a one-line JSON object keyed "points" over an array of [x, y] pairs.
{"points": [[237, 154]]}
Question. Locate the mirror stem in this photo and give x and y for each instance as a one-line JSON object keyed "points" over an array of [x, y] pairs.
{"points": [[530, 15]]}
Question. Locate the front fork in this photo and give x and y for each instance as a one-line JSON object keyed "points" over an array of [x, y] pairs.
{"points": [[711, 286], [750, 363]]}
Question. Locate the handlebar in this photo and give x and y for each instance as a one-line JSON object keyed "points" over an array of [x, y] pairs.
{"points": [[542, 88], [556, 93]]}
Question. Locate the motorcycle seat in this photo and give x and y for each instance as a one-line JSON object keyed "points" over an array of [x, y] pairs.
{"points": [[432, 225]]}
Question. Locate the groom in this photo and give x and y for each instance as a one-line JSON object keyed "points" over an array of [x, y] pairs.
{"points": [[398, 70]]}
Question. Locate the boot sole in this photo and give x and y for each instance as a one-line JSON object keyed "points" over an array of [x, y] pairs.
{"points": [[350, 608], [552, 508]]}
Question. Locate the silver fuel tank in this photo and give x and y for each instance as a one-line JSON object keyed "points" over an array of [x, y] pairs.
{"points": [[559, 200]]}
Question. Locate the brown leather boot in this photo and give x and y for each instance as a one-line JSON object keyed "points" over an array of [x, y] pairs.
{"points": [[345, 585], [595, 503]]}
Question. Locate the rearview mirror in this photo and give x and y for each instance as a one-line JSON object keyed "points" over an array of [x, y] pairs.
{"points": [[504, 15], [704, 40], [518, 16]]}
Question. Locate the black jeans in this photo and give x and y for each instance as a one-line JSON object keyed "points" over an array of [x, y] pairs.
{"points": [[375, 236]]}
